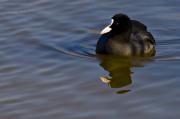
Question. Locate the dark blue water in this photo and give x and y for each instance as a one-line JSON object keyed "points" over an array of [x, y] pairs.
{"points": [[48, 69]]}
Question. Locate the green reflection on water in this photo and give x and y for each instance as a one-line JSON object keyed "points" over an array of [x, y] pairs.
{"points": [[119, 69]]}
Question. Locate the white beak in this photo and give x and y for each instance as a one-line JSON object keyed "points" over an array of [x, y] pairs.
{"points": [[107, 28]]}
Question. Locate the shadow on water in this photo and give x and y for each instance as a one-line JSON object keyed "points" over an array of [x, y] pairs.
{"points": [[119, 69]]}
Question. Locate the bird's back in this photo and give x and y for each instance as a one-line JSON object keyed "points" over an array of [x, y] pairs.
{"points": [[142, 41], [140, 29]]}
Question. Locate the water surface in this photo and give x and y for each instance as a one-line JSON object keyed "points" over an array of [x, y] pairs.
{"points": [[47, 70]]}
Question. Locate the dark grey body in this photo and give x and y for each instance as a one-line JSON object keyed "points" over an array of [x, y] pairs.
{"points": [[139, 42]]}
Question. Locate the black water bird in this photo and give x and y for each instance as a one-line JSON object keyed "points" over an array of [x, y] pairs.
{"points": [[126, 37]]}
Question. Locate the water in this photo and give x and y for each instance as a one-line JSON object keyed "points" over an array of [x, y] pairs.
{"points": [[48, 70]]}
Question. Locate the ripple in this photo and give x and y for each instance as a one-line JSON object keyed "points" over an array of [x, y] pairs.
{"points": [[49, 69]]}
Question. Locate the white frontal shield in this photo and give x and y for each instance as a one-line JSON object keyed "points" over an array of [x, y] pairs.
{"points": [[107, 28]]}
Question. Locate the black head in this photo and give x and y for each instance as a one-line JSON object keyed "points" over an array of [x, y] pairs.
{"points": [[121, 23]]}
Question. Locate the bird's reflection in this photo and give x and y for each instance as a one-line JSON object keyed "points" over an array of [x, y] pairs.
{"points": [[119, 69]]}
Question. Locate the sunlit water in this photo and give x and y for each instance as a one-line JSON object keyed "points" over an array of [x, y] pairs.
{"points": [[48, 69]]}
